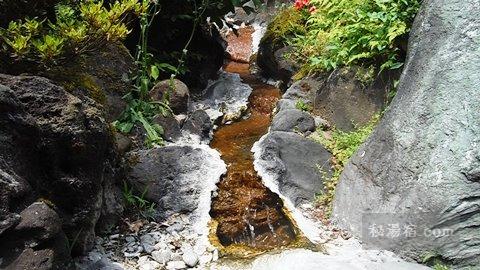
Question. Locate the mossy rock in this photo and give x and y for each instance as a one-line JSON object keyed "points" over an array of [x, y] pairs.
{"points": [[101, 76], [273, 46]]}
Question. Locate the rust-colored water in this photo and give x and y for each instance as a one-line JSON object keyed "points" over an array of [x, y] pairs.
{"points": [[247, 212], [239, 45]]}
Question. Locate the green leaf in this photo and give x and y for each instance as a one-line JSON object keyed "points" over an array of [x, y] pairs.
{"points": [[396, 65], [154, 72]]}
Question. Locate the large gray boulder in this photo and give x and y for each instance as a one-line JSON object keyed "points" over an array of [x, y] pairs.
{"points": [[423, 160], [176, 177], [294, 163]]}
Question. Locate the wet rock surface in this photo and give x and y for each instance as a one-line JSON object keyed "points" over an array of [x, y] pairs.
{"points": [[239, 44], [273, 64], [226, 98], [199, 124], [170, 126], [175, 177], [296, 164], [55, 147], [420, 163]]}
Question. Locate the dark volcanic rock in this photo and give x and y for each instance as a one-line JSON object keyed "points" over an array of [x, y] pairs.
{"points": [[304, 90], [54, 256], [293, 120], [295, 163], [171, 127], [56, 147], [199, 123], [37, 242], [177, 93], [346, 102], [273, 64], [175, 177], [422, 161], [101, 76], [41, 220]]}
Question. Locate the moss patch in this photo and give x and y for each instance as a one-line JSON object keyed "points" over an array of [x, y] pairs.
{"points": [[94, 90], [286, 23], [342, 145]]}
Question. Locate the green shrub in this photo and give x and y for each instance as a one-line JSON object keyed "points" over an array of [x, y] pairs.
{"points": [[78, 28], [342, 145], [354, 32]]}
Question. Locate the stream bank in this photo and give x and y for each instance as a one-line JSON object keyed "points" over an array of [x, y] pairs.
{"points": [[181, 238]]}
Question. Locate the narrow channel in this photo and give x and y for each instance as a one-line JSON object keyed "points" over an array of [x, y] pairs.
{"points": [[246, 212]]}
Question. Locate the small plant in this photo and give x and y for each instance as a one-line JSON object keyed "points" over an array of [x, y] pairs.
{"points": [[79, 27], [138, 203], [301, 105], [71, 243], [342, 145], [434, 260]]}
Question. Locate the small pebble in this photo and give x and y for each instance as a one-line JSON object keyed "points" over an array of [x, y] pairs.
{"points": [[215, 255], [131, 255], [149, 265], [129, 239], [162, 256], [176, 265], [204, 259], [176, 257], [190, 258]]}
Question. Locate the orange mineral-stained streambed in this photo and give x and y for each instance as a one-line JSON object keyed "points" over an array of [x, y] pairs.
{"points": [[248, 218]]}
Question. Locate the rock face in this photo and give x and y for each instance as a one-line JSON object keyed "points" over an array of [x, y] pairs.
{"points": [[101, 76], [171, 127], [55, 147], [37, 242], [199, 123], [345, 101], [423, 160], [176, 177], [271, 61], [178, 94], [293, 120], [295, 162]]}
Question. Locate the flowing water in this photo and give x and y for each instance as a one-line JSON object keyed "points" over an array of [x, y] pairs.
{"points": [[246, 213]]}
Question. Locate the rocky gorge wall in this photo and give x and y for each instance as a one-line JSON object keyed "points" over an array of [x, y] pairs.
{"points": [[422, 162]]}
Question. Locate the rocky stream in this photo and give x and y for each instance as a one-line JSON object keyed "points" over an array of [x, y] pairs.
{"points": [[229, 204], [234, 185]]}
